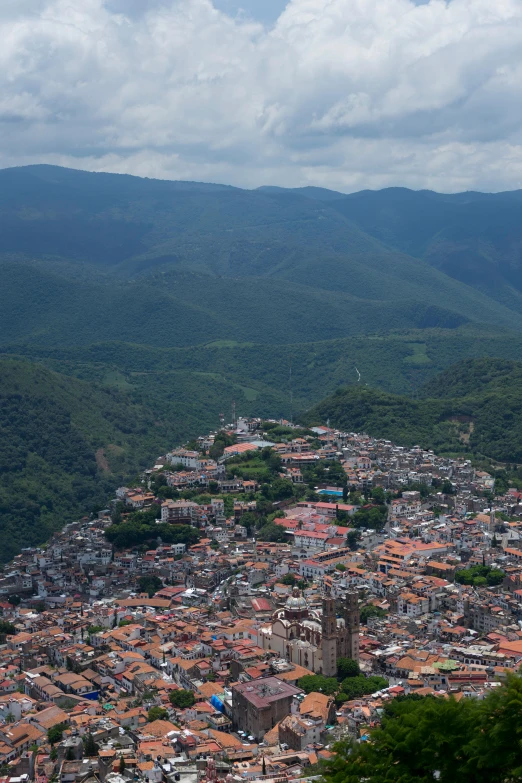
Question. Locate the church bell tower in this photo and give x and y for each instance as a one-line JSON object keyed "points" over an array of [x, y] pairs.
{"points": [[352, 621], [329, 637]]}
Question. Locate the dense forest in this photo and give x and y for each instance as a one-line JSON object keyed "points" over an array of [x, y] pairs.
{"points": [[64, 447]]}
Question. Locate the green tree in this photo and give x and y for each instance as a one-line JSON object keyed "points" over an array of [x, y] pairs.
{"points": [[371, 611], [272, 532], [55, 733], [149, 584], [425, 739], [157, 713], [347, 667], [312, 683], [121, 767], [182, 699], [358, 686], [90, 748], [352, 539]]}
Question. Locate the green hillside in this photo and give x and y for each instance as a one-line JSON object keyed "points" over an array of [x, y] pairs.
{"points": [[478, 410], [66, 444], [185, 308], [473, 237], [127, 227]]}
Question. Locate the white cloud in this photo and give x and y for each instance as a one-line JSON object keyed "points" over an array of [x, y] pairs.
{"points": [[341, 93]]}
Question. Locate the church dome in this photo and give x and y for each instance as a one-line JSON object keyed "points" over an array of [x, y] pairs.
{"points": [[296, 602]]}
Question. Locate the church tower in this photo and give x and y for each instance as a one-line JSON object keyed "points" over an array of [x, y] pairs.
{"points": [[352, 620], [329, 637]]}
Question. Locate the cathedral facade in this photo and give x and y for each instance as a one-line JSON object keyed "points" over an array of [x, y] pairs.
{"points": [[315, 639]]}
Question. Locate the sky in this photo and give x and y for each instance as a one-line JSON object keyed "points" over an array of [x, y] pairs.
{"points": [[344, 94]]}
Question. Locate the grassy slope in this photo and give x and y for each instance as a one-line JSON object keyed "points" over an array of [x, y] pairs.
{"points": [[478, 409]]}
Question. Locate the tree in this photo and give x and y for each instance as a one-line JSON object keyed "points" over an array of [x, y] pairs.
{"points": [[6, 628], [157, 713], [90, 748], [248, 520], [182, 699], [55, 733], [121, 767], [356, 687], [312, 683], [370, 610], [149, 584], [53, 755], [272, 532], [378, 495], [447, 487], [352, 539], [425, 739], [340, 567], [347, 667]]}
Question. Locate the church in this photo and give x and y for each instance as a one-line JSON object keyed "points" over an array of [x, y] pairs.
{"points": [[312, 638]]}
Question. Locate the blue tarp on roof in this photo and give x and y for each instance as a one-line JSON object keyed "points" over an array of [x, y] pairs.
{"points": [[217, 703]]}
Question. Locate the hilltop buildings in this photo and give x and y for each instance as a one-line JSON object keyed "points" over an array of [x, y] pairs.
{"points": [[102, 635]]}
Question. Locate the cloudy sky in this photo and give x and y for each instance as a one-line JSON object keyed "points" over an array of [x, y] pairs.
{"points": [[347, 94]]}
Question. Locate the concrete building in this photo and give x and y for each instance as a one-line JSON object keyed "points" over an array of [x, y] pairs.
{"points": [[258, 705]]}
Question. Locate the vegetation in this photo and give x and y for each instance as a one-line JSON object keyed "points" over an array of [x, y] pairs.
{"points": [[157, 713], [182, 699], [149, 584], [346, 667], [485, 420], [426, 739], [356, 687], [55, 733], [140, 527], [89, 746], [315, 683], [6, 628], [370, 610], [480, 576]]}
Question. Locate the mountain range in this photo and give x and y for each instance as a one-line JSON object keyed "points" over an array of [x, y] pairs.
{"points": [[170, 300]]}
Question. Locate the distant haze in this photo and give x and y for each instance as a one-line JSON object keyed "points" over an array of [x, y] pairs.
{"points": [[344, 94]]}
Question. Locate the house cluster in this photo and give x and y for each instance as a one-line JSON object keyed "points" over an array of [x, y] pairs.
{"points": [[174, 662]]}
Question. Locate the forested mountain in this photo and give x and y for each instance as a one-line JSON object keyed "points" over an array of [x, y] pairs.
{"points": [[126, 227], [65, 444], [159, 303], [473, 407], [473, 237]]}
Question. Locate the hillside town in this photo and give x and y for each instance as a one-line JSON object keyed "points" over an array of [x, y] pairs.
{"points": [[254, 597]]}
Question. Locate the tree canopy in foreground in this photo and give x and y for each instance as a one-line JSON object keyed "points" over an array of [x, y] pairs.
{"points": [[427, 739]]}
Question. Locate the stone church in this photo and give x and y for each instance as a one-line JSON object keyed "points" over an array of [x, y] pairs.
{"points": [[312, 638]]}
